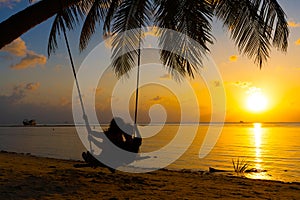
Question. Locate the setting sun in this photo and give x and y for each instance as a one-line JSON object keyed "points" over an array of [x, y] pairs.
{"points": [[257, 102]]}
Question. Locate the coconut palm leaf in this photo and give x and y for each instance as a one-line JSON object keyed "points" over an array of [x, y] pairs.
{"points": [[281, 32], [191, 18], [251, 24], [255, 26], [95, 15], [130, 16], [65, 19], [113, 7], [55, 30]]}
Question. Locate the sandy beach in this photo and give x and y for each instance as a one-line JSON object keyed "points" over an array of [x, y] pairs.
{"points": [[30, 177]]}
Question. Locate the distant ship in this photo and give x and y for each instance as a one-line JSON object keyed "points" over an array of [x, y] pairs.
{"points": [[29, 123]]}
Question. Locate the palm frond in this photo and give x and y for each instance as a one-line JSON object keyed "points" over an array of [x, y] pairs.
{"points": [[192, 19], [66, 19], [113, 7], [128, 20], [174, 64], [55, 30], [125, 50], [124, 63], [95, 15], [251, 24], [281, 31]]}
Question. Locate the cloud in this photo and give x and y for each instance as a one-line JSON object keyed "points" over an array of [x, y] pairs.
{"points": [[152, 31], [30, 60], [99, 90], [17, 95], [108, 39], [14, 110], [19, 92], [157, 98], [253, 90], [58, 68], [165, 76], [65, 101], [17, 47], [217, 83], [293, 24], [32, 86], [242, 84], [8, 3], [297, 42], [15, 107], [233, 58]]}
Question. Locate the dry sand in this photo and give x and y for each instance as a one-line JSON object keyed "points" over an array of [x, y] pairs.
{"points": [[29, 177]]}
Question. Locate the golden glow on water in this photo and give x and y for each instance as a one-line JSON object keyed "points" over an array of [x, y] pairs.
{"points": [[257, 137]]}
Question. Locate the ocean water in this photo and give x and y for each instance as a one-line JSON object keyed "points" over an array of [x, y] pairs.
{"points": [[273, 148]]}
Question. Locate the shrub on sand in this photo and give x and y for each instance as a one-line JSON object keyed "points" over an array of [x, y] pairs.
{"points": [[240, 166]]}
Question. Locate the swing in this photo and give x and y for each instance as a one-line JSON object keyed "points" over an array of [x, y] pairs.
{"points": [[132, 143]]}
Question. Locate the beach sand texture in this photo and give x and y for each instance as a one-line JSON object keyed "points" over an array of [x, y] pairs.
{"points": [[29, 177]]}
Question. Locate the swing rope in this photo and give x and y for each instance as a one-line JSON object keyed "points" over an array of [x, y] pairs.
{"points": [[73, 69], [77, 84], [75, 77], [137, 82]]}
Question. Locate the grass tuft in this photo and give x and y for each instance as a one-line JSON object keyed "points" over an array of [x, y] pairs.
{"points": [[240, 166]]}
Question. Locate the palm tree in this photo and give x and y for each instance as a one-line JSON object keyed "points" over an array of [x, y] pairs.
{"points": [[254, 25], [21, 22]]}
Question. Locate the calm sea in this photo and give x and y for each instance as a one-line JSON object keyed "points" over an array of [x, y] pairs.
{"points": [[273, 147]]}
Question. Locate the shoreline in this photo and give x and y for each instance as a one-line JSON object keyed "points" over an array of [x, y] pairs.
{"points": [[155, 123], [25, 176]]}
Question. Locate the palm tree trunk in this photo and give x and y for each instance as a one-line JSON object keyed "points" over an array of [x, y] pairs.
{"points": [[21, 22]]}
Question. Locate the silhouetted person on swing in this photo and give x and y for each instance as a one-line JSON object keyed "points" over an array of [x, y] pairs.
{"points": [[133, 139], [124, 139]]}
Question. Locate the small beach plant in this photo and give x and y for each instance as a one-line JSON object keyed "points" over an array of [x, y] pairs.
{"points": [[240, 166]]}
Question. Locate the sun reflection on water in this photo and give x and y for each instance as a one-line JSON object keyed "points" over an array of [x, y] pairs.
{"points": [[257, 141]]}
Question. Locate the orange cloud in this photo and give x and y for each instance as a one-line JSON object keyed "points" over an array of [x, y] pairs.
{"points": [[32, 86], [108, 39], [233, 58], [17, 47], [99, 90], [152, 31], [30, 60], [242, 84], [58, 68], [217, 83], [253, 90], [65, 101], [157, 98], [297, 42], [293, 24]]}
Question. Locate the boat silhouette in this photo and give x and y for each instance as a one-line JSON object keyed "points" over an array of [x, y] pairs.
{"points": [[27, 122]]}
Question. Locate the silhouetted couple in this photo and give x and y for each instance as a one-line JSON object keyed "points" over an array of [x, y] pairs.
{"points": [[119, 136], [122, 135]]}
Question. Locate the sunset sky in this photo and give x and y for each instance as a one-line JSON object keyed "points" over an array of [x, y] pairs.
{"points": [[34, 86]]}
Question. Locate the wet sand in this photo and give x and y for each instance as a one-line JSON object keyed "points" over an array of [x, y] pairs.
{"points": [[29, 177]]}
